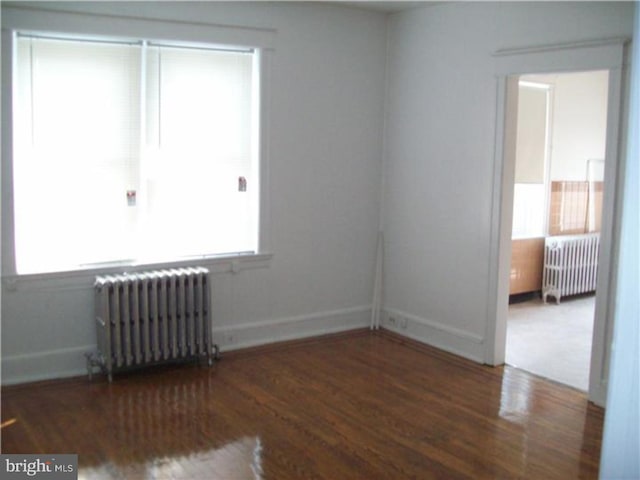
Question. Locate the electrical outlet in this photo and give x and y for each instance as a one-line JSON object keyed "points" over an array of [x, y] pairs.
{"points": [[404, 322], [393, 321]]}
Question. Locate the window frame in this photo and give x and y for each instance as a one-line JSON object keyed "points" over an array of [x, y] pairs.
{"points": [[96, 27]]}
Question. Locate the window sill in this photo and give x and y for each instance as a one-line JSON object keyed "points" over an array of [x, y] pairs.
{"points": [[218, 264], [528, 237]]}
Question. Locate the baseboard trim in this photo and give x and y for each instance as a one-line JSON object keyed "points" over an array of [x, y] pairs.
{"points": [[291, 328], [443, 337], [34, 367], [598, 394], [71, 362]]}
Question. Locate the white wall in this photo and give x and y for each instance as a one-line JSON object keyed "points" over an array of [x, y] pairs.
{"points": [[579, 124], [325, 133], [324, 136], [621, 439], [439, 153]]}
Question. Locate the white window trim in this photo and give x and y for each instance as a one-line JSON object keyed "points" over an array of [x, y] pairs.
{"points": [[222, 264], [26, 19]]}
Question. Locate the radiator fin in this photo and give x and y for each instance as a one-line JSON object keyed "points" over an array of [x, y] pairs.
{"points": [[151, 317], [570, 265]]}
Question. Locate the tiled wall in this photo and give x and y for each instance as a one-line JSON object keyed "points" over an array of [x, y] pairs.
{"points": [[575, 207]]}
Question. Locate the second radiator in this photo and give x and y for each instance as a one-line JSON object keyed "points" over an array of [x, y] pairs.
{"points": [[570, 265]]}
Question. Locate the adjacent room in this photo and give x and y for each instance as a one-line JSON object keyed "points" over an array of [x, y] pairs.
{"points": [[557, 218], [246, 240]]}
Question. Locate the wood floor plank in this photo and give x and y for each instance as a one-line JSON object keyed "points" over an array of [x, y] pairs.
{"points": [[359, 405]]}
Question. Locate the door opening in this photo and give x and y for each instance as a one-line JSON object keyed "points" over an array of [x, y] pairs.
{"points": [[510, 65], [557, 207]]}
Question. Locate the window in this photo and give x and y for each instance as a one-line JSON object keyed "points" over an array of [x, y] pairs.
{"points": [[132, 152], [532, 160]]}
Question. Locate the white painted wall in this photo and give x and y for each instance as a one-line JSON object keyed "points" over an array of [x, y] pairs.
{"points": [[579, 124], [324, 141], [621, 439], [439, 153]]}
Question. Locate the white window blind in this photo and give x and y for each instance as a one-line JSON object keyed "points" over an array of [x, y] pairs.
{"points": [[199, 144], [129, 152]]}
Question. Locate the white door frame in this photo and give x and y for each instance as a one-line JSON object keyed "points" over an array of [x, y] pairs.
{"points": [[606, 54]]}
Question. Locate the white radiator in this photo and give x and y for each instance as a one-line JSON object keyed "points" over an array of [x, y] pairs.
{"points": [[152, 317], [570, 265]]}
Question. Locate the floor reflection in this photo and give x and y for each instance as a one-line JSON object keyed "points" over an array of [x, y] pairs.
{"points": [[239, 460], [362, 406], [515, 397]]}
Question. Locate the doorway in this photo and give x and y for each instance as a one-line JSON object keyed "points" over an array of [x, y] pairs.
{"points": [[510, 64], [557, 202]]}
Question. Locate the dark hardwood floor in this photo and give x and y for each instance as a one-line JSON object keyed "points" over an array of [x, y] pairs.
{"points": [[360, 405]]}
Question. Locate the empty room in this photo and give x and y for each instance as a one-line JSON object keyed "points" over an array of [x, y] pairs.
{"points": [[255, 240]]}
